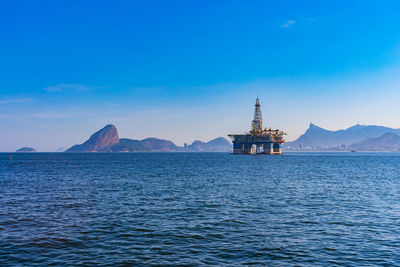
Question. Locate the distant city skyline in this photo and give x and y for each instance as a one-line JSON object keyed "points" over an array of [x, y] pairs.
{"points": [[188, 71]]}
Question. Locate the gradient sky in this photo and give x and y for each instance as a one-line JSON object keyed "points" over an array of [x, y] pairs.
{"points": [[187, 70]]}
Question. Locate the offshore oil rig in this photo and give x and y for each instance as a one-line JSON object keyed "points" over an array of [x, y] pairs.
{"points": [[258, 140]]}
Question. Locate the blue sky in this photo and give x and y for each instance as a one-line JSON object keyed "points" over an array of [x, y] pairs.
{"points": [[186, 70]]}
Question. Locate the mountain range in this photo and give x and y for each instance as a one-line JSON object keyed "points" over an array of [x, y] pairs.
{"points": [[357, 137], [107, 140]]}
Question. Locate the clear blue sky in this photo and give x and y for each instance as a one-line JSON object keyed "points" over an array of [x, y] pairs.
{"points": [[186, 70]]}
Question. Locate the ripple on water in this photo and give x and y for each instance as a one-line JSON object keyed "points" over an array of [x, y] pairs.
{"points": [[199, 209]]}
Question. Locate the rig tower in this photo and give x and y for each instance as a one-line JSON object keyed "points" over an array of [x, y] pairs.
{"points": [[258, 140]]}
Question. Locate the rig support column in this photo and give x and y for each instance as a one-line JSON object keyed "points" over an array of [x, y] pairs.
{"points": [[277, 148], [258, 149], [267, 148], [241, 148]]}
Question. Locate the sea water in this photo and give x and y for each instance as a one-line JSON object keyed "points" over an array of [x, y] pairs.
{"points": [[199, 209]]}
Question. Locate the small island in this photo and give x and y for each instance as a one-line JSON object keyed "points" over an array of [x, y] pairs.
{"points": [[26, 150]]}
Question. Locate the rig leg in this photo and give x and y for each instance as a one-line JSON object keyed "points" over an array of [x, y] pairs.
{"points": [[267, 148], [241, 148], [277, 148]]}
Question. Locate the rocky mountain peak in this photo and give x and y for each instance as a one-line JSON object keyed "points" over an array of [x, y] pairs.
{"points": [[99, 141]]}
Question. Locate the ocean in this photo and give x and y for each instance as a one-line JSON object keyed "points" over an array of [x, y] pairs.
{"points": [[143, 209]]}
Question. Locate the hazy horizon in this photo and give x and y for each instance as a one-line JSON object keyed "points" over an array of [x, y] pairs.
{"points": [[186, 71]]}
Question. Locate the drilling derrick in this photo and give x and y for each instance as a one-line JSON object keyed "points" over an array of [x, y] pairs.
{"points": [[257, 122], [258, 140]]}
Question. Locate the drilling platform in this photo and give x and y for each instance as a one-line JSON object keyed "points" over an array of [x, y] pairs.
{"points": [[258, 140]]}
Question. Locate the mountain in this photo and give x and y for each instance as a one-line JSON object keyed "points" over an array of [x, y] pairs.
{"points": [[128, 145], [219, 144], [107, 140], [26, 149], [152, 144], [161, 145], [317, 138], [99, 141], [149, 144], [385, 142]]}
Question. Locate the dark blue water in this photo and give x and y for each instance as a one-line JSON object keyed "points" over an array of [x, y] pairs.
{"points": [[199, 209]]}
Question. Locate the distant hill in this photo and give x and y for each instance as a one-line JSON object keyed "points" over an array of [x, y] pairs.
{"points": [[148, 144], [317, 138], [107, 140], [154, 144], [128, 145], [385, 142], [99, 141], [26, 149], [219, 144]]}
